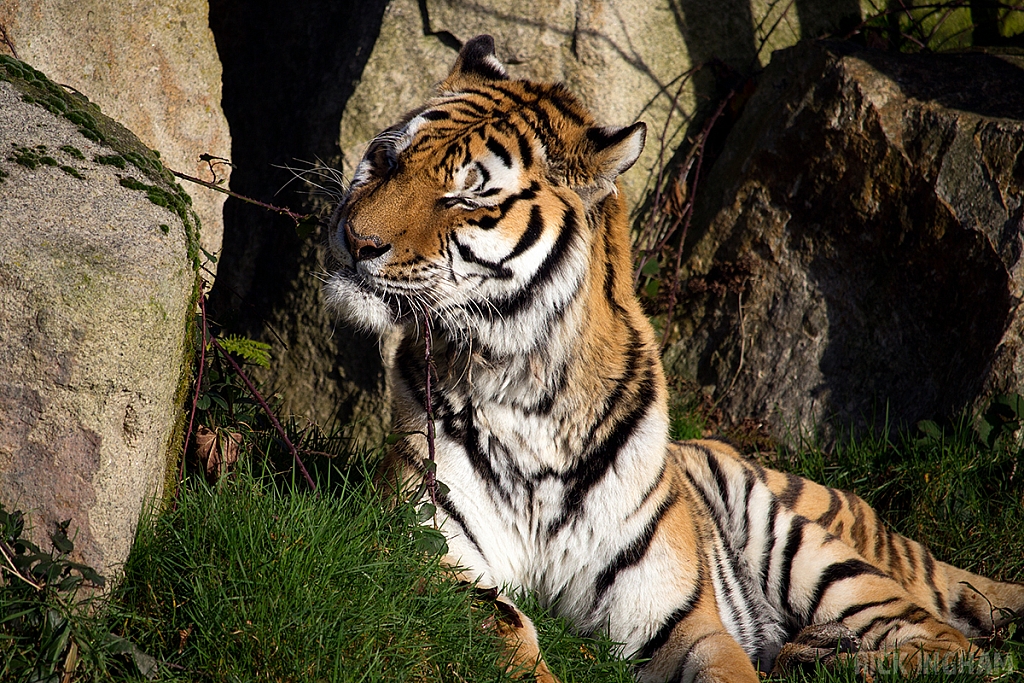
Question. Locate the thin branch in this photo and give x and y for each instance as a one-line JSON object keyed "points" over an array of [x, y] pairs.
{"points": [[431, 478], [195, 396], [6, 40], [739, 366], [266, 409], [212, 161], [297, 217], [8, 554]]}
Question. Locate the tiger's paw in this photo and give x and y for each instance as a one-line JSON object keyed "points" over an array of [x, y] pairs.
{"points": [[827, 643]]}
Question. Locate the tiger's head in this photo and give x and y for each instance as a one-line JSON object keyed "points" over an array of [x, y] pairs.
{"points": [[481, 209]]}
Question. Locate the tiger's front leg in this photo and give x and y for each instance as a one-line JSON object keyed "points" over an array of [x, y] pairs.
{"points": [[522, 649], [698, 648], [685, 639]]}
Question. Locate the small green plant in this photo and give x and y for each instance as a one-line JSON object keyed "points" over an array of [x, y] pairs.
{"points": [[417, 508], [47, 630], [998, 425], [223, 389], [252, 351], [687, 412]]}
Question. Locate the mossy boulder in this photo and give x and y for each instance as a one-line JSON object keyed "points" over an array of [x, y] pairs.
{"points": [[98, 263], [152, 66]]}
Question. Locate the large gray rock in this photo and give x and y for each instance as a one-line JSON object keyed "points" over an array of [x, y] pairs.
{"points": [[97, 283], [861, 247], [152, 66]]}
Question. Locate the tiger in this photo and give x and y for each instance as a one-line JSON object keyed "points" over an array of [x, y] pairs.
{"points": [[487, 231]]}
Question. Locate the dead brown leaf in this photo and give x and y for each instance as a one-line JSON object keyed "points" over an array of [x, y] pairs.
{"points": [[217, 450]]}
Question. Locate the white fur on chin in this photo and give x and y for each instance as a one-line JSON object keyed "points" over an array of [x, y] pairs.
{"points": [[357, 306]]}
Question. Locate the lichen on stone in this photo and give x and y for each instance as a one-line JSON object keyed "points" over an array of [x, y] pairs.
{"points": [[115, 160], [71, 171], [32, 158], [36, 88], [73, 151]]}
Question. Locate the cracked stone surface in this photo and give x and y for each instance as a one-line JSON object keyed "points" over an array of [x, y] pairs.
{"points": [[858, 245]]}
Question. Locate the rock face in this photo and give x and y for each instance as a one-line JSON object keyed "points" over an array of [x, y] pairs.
{"points": [[292, 72], [97, 270], [289, 68], [152, 66], [861, 256], [627, 60]]}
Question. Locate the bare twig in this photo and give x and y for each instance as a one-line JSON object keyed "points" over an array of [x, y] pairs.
{"points": [[6, 40], [739, 365], [207, 338], [195, 395], [266, 409], [296, 217], [322, 454], [942, 20], [8, 554], [212, 161], [431, 478]]}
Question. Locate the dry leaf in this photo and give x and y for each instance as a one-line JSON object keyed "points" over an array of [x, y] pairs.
{"points": [[217, 450]]}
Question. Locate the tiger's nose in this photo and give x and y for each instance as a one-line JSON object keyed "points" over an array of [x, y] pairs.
{"points": [[364, 248]]}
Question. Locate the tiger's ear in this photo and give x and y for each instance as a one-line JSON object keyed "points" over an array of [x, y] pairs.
{"points": [[475, 65], [615, 150]]}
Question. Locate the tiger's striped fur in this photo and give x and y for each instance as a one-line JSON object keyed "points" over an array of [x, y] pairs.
{"points": [[492, 211]]}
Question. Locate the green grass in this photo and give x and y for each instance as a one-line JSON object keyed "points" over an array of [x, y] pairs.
{"points": [[249, 581], [255, 579]]}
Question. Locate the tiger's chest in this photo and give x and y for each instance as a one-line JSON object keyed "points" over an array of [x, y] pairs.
{"points": [[509, 484], [535, 499], [513, 461], [513, 474]]}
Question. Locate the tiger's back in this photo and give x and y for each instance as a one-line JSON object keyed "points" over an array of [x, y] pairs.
{"points": [[488, 223]]}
